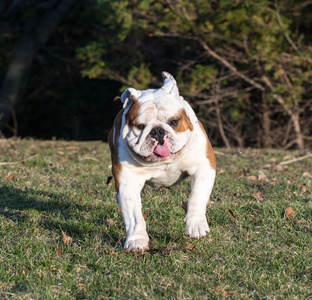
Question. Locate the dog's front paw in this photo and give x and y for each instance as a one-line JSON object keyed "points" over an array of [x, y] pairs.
{"points": [[196, 226], [137, 242]]}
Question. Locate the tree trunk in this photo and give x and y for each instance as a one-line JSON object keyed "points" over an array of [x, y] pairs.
{"points": [[266, 123], [299, 137], [16, 76], [34, 37], [293, 114], [295, 118], [221, 129]]}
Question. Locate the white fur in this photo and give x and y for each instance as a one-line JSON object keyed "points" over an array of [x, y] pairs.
{"points": [[135, 172]]}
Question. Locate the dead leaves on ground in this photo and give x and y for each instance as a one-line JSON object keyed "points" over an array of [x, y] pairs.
{"points": [[241, 173], [162, 250], [261, 176], [221, 290], [169, 249], [108, 221], [10, 177], [229, 213], [246, 173], [273, 166], [63, 153], [289, 213], [262, 182], [307, 174], [145, 213], [257, 216], [80, 286], [25, 272], [258, 195], [66, 239], [58, 251], [189, 247]]}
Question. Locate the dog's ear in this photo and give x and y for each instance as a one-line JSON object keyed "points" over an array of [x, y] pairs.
{"points": [[170, 85], [128, 97]]}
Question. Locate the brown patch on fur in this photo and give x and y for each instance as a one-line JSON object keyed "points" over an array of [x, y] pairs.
{"points": [[113, 145], [185, 122], [209, 151], [133, 112]]}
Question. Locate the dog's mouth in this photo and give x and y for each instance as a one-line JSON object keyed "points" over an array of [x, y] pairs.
{"points": [[158, 158], [161, 150], [161, 154]]}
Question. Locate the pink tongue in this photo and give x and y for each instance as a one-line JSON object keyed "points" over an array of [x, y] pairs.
{"points": [[161, 150]]}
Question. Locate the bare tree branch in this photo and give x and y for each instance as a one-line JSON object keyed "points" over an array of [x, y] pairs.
{"points": [[211, 99], [279, 19], [219, 58], [230, 66]]}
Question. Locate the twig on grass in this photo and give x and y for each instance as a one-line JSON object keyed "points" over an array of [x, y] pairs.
{"points": [[286, 162], [30, 157], [7, 293], [16, 162], [219, 153], [88, 158], [8, 163]]}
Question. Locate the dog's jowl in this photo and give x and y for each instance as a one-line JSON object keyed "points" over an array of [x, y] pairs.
{"points": [[158, 140]]}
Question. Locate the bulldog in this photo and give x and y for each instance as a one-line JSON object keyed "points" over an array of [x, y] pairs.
{"points": [[158, 140]]}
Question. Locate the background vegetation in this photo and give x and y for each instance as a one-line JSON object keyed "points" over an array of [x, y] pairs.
{"points": [[245, 66]]}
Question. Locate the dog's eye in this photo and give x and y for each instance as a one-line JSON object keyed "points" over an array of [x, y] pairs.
{"points": [[174, 123], [141, 126]]}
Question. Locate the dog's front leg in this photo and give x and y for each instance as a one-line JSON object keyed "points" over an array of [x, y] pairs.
{"points": [[202, 178], [129, 201]]}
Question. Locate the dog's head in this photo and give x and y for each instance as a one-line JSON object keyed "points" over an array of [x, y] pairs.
{"points": [[156, 123]]}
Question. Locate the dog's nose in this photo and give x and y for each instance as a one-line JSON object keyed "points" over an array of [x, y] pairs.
{"points": [[158, 134]]}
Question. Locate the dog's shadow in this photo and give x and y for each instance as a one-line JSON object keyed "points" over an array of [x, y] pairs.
{"points": [[15, 205]]}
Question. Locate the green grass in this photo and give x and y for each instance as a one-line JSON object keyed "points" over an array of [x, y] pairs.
{"points": [[62, 234]]}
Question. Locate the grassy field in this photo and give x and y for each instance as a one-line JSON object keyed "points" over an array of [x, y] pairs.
{"points": [[62, 234]]}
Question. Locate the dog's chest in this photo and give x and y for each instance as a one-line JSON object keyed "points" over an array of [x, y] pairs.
{"points": [[166, 177]]}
